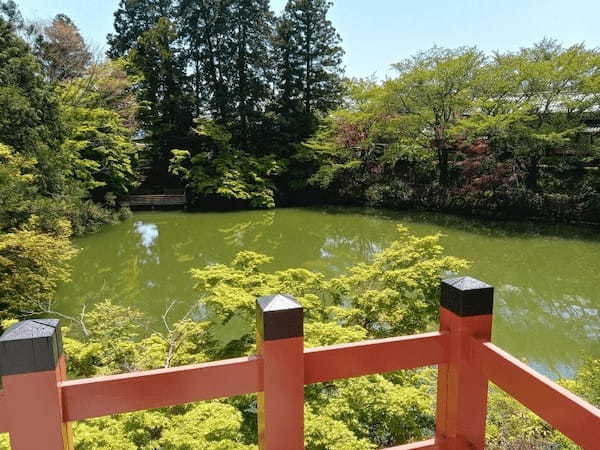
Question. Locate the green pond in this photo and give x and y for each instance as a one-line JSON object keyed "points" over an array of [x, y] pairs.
{"points": [[547, 279]]}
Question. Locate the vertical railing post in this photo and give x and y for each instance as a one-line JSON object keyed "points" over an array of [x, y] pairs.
{"points": [[31, 365], [466, 312], [280, 344]]}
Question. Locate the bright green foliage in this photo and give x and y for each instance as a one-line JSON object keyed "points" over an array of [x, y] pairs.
{"points": [[17, 186], [510, 425], [587, 382], [31, 266], [434, 89], [211, 426], [206, 426], [377, 410], [366, 144], [367, 412], [101, 151], [394, 294], [534, 101], [325, 433], [98, 111], [224, 174], [21, 202], [124, 344], [105, 86], [38, 174]]}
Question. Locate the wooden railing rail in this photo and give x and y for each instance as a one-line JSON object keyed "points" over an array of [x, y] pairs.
{"points": [[566, 412], [103, 396], [3, 413], [38, 397]]}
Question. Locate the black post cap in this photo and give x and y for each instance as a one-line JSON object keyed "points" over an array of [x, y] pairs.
{"points": [[279, 317], [30, 346], [466, 296]]}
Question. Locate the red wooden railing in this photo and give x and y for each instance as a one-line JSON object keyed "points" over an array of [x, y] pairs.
{"points": [[38, 403]]}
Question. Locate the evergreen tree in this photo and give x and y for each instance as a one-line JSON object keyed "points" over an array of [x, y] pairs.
{"points": [[228, 47], [249, 47], [165, 110], [132, 19], [309, 56], [206, 32]]}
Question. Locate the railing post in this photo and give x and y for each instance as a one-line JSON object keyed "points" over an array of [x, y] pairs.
{"points": [[466, 311], [31, 365], [280, 344]]}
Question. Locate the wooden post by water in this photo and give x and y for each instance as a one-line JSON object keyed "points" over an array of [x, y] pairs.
{"points": [[280, 344], [31, 365], [466, 311]]}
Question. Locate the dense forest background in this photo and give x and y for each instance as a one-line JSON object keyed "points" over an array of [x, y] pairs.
{"points": [[241, 108]]}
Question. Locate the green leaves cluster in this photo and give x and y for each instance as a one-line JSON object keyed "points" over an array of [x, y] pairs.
{"points": [[31, 266], [222, 174], [101, 151], [394, 294]]}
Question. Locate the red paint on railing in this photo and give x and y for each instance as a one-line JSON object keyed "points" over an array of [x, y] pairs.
{"points": [[424, 445], [3, 413], [462, 389], [375, 356], [281, 404], [35, 410], [574, 417], [101, 396]]}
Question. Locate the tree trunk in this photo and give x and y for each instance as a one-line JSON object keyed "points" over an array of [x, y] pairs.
{"points": [[243, 89], [443, 155], [308, 80], [533, 173]]}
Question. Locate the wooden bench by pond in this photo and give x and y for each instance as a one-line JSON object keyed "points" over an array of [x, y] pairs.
{"points": [[38, 402], [156, 201]]}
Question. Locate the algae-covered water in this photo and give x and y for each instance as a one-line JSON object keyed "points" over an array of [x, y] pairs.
{"points": [[547, 279]]}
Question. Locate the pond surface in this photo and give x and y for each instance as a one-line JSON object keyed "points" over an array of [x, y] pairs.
{"points": [[547, 279]]}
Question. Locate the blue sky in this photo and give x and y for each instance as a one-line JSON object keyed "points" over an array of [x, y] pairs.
{"points": [[378, 33]]}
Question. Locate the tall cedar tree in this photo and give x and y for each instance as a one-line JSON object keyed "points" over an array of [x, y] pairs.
{"points": [[248, 50], [228, 46], [309, 70], [206, 33], [132, 19], [165, 110]]}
